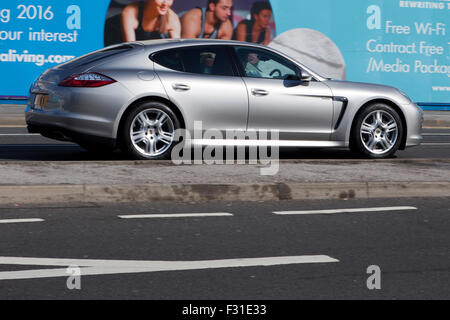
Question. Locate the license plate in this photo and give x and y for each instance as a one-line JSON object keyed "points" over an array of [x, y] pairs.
{"points": [[40, 101]]}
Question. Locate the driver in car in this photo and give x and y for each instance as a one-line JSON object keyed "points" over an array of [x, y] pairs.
{"points": [[251, 68]]}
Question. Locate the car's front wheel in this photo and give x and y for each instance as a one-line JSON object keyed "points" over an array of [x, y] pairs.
{"points": [[149, 131], [377, 132]]}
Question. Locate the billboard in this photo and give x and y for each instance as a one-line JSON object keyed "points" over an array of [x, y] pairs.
{"points": [[403, 43]]}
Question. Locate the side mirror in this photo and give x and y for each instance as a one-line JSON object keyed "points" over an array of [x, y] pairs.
{"points": [[292, 80], [306, 77], [292, 77]]}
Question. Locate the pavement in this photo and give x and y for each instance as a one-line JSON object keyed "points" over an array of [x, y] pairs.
{"points": [[12, 115], [435, 119], [143, 181]]}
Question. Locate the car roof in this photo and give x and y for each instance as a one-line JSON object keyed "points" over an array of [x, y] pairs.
{"points": [[172, 43]]}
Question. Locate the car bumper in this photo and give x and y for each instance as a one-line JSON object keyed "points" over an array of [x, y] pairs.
{"points": [[414, 121], [76, 114]]}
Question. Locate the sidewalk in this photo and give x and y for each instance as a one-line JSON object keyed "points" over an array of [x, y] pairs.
{"points": [[13, 115], [436, 119], [43, 182]]}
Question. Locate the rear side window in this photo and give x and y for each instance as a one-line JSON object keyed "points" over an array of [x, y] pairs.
{"points": [[200, 60], [170, 59]]}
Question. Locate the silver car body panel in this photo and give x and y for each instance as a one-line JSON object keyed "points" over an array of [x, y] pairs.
{"points": [[299, 112], [201, 98], [306, 115]]}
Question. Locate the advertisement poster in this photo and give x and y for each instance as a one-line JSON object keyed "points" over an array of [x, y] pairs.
{"points": [[403, 43]]}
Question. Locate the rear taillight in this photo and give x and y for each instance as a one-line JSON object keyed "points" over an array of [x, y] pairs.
{"points": [[87, 80]]}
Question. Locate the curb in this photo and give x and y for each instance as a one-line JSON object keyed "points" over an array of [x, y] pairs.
{"points": [[45, 194]]}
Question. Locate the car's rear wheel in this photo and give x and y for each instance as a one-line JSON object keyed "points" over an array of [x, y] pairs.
{"points": [[377, 132], [149, 131]]}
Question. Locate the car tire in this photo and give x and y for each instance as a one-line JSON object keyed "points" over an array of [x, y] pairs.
{"points": [[148, 132], [377, 132]]}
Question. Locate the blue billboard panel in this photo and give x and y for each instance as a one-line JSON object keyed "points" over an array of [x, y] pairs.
{"points": [[396, 42], [403, 43], [36, 35]]}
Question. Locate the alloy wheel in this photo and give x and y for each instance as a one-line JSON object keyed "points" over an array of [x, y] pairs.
{"points": [[379, 132], [152, 132]]}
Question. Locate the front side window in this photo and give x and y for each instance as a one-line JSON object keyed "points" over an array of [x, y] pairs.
{"points": [[200, 60], [259, 63]]}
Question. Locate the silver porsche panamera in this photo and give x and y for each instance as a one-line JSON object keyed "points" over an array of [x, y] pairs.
{"points": [[136, 95]]}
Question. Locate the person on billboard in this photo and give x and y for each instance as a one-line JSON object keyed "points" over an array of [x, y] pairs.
{"points": [[152, 19], [256, 29], [212, 22]]}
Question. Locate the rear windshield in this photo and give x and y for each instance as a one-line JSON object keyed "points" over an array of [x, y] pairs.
{"points": [[95, 56]]}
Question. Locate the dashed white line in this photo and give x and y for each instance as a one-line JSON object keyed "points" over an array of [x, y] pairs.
{"points": [[350, 210], [176, 215], [21, 220]]}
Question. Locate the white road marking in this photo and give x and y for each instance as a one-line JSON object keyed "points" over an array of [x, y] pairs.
{"points": [[18, 134], [436, 134], [352, 210], [436, 144], [12, 126], [21, 220], [436, 127], [176, 215], [101, 267]]}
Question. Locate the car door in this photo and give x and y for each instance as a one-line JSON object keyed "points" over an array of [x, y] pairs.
{"points": [[279, 100], [203, 82]]}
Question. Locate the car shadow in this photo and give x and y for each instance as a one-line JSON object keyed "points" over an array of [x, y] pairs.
{"points": [[73, 152]]}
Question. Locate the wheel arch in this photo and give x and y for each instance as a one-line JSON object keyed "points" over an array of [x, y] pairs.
{"points": [[137, 102], [389, 103]]}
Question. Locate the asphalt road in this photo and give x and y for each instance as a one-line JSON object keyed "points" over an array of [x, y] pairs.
{"points": [[17, 145], [409, 245]]}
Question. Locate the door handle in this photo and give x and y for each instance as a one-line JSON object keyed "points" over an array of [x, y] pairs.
{"points": [[259, 92], [181, 87]]}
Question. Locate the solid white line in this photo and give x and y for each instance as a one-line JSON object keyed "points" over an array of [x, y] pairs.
{"points": [[434, 128], [176, 215], [436, 144], [99, 267], [436, 134], [18, 134], [352, 210], [20, 220], [12, 126]]}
